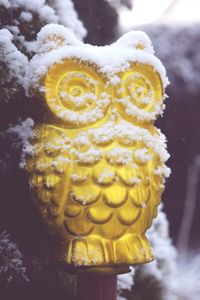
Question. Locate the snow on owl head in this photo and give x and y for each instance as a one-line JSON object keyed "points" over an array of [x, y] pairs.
{"points": [[97, 162]]}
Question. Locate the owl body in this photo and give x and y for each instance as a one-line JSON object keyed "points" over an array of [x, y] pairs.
{"points": [[97, 162]]}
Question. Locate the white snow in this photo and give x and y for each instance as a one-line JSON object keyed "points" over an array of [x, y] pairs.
{"points": [[110, 60], [81, 140], [186, 280], [134, 39], [125, 282], [68, 17], [119, 156], [133, 111], [23, 130], [38, 6], [52, 11], [130, 133], [6, 33], [5, 3], [26, 16], [164, 170], [15, 60], [87, 117], [90, 156], [143, 155], [82, 150], [53, 36], [106, 176]]}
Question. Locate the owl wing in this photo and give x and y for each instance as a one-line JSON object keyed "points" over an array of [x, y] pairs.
{"points": [[47, 164]]}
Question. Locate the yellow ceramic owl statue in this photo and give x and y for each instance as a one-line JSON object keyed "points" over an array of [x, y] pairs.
{"points": [[96, 162]]}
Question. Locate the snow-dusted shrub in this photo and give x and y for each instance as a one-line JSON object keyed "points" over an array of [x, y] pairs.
{"points": [[154, 280], [12, 68], [12, 270], [25, 18], [124, 284], [68, 16], [185, 285]]}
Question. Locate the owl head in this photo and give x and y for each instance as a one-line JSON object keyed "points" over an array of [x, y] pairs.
{"points": [[84, 84]]}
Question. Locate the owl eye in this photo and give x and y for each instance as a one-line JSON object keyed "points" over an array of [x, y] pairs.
{"points": [[76, 94], [140, 93], [77, 91]]}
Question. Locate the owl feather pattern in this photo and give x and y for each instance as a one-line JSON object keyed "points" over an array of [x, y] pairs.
{"points": [[97, 162]]}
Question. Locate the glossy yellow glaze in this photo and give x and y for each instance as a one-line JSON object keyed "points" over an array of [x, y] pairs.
{"points": [[94, 189]]}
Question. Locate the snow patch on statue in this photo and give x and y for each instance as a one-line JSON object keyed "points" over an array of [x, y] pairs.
{"points": [[112, 59]]}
